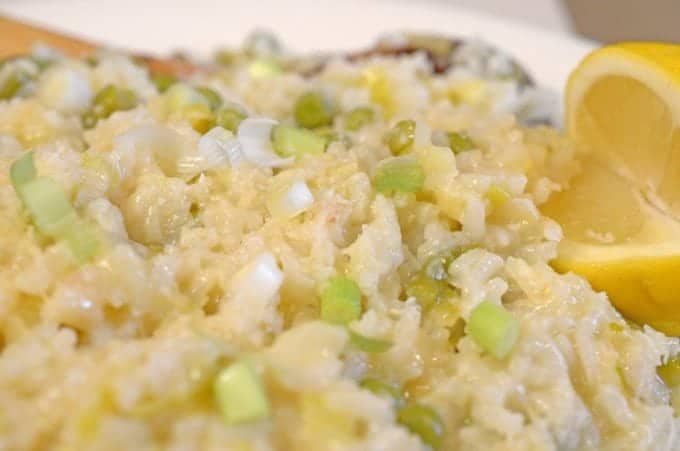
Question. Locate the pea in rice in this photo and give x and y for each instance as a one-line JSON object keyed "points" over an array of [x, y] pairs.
{"points": [[376, 278]]}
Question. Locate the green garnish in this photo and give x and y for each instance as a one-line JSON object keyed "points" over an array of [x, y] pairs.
{"points": [[460, 142], [112, 98], [340, 301], [368, 344], [428, 291], [240, 395], [89, 119], [163, 81], [229, 118], [383, 389], [312, 110], [400, 138], [213, 98], [423, 421], [399, 174], [359, 117], [22, 171], [200, 117], [493, 328], [11, 85], [289, 141]]}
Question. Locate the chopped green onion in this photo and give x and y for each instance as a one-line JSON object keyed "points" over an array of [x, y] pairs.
{"points": [[460, 142], [240, 394], [312, 110], [340, 301], [11, 85], [400, 174], [81, 239], [670, 372], [493, 328], [163, 81], [229, 118], [428, 291], [294, 141], [213, 98], [48, 205], [359, 117], [180, 96], [200, 117], [264, 68], [400, 138], [368, 344], [384, 389], [111, 98], [423, 421], [261, 43], [22, 171]]}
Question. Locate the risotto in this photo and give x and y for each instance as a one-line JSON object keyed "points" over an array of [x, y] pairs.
{"points": [[282, 255]]}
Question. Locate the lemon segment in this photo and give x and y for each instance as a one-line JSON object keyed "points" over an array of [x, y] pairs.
{"points": [[621, 214]]}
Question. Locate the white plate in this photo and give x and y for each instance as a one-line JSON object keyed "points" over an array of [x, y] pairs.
{"points": [[202, 25]]}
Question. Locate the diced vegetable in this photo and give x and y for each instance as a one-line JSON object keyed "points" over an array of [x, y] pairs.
{"points": [[460, 142], [22, 171], [261, 43], [400, 174], [89, 119], [312, 110], [291, 141], [112, 98], [264, 68], [359, 117], [48, 206], [400, 138], [200, 117], [240, 395], [423, 421], [213, 98], [368, 344], [81, 239], [11, 85], [670, 372], [428, 291], [163, 82], [340, 301], [383, 389], [229, 118], [493, 328], [290, 200]]}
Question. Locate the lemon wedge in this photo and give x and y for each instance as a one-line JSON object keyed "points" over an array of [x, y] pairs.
{"points": [[621, 214]]}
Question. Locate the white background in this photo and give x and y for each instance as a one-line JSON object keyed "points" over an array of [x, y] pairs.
{"points": [[201, 25]]}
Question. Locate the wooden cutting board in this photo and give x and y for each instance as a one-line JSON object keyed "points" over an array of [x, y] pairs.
{"points": [[19, 38]]}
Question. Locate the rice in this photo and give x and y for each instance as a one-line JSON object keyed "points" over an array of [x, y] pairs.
{"points": [[194, 272]]}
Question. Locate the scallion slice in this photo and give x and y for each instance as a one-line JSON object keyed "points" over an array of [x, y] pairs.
{"points": [[368, 344], [340, 301], [240, 394], [291, 141], [22, 171], [400, 174], [493, 328]]}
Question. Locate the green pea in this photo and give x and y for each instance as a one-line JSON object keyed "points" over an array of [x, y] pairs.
{"points": [[423, 421], [112, 98], [89, 119], [400, 138], [229, 118], [200, 117], [359, 117], [460, 142], [11, 85], [213, 98], [312, 110], [163, 81], [383, 389]]}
